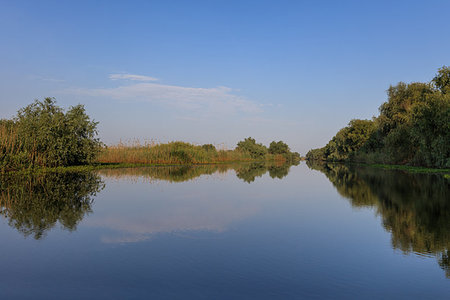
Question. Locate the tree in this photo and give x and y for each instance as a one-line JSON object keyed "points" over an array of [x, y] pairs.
{"points": [[47, 136], [442, 80], [250, 146], [278, 148]]}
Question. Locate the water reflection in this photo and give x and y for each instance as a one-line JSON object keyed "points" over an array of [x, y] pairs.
{"points": [[415, 208], [207, 206], [34, 204], [248, 172]]}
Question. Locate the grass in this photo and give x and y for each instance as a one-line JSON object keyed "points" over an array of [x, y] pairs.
{"points": [[174, 153]]}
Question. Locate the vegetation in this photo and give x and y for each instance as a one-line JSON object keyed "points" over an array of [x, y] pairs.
{"points": [[277, 150], [250, 147], [169, 153], [413, 128], [186, 153], [43, 135]]}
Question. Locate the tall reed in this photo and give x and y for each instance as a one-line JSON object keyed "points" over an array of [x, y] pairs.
{"points": [[172, 153]]}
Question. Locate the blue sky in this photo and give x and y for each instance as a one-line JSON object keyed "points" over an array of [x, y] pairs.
{"points": [[218, 71]]}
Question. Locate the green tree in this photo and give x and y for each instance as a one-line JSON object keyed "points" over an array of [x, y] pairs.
{"points": [[250, 146], [442, 80], [413, 128], [44, 135], [279, 148]]}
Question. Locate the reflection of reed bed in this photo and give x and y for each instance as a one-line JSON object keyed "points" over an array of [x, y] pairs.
{"points": [[414, 208], [165, 173], [245, 171]]}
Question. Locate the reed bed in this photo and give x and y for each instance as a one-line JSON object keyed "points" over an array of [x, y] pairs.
{"points": [[173, 153], [14, 154]]}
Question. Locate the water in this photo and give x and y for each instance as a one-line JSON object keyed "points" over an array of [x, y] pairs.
{"points": [[226, 232]]}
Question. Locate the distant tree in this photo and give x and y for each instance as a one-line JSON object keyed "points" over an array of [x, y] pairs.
{"points": [[278, 148], [316, 154], [348, 140], [250, 146]]}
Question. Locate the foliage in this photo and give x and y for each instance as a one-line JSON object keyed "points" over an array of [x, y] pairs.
{"points": [[42, 134], [186, 153], [348, 140], [413, 128], [278, 148], [316, 154], [250, 146], [168, 153]]}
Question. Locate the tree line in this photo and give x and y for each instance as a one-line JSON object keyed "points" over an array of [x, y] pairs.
{"points": [[413, 128]]}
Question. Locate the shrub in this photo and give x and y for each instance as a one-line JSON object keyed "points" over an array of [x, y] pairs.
{"points": [[42, 134], [250, 146]]}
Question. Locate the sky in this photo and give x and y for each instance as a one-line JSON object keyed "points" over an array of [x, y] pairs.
{"points": [[218, 71]]}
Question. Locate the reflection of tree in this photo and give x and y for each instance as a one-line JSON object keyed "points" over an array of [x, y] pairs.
{"points": [[414, 207], [249, 172], [444, 262], [280, 170], [245, 171], [34, 204]]}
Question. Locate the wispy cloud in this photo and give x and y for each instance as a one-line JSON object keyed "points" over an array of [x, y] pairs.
{"points": [[208, 100], [50, 79], [133, 77]]}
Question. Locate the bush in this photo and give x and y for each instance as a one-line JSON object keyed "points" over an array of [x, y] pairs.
{"points": [[279, 148], [250, 146], [42, 134]]}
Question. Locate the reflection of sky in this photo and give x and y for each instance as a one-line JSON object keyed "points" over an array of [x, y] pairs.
{"points": [[136, 208], [133, 210]]}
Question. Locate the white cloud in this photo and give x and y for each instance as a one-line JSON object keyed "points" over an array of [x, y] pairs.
{"points": [[50, 79], [202, 100], [131, 77]]}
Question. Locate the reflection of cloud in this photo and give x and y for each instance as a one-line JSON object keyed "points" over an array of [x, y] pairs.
{"points": [[132, 77], [219, 99], [183, 211], [180, 215]]}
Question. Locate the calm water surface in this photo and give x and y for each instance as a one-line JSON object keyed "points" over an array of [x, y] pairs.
{"points": [[226, 232]]}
